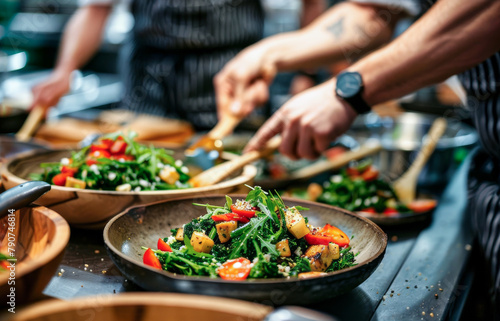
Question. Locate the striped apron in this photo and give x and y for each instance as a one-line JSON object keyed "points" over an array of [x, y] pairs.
{"points": [[176, 48]]}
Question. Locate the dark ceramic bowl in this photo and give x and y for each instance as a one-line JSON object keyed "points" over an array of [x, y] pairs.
{"points": [[143, 225]]}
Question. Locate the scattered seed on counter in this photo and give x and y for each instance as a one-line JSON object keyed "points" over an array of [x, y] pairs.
{"points": [[419, 274], [436, 296], [406, 280], [81, 286], [440, 289], [431, 314], [114, 291], [407, 308], [97, 251], [90, 270], [423, 312], [468, 247], [407, 287], [104, 271], [391, 295], [399, 294], [394, 238], [416, 286]]}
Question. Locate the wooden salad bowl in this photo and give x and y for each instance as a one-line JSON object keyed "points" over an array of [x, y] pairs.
{"points": [[40, 236], [126, 233], [144, 307], [87, 208]]}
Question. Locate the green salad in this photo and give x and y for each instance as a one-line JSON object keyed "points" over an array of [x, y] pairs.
{"points": [[358, 188], [117, 162], [258, 237]]}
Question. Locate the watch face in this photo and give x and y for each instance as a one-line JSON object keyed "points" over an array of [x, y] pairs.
{"points": [[348, 84]]}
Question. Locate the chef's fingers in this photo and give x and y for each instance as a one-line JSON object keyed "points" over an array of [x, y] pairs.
{"points": [[255, 95], [290, 138], [270, 129], [305, 145], [223, 93]]}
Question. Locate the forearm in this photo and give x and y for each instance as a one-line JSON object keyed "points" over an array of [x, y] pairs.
{"points": [[453, 36], [345, 32], [311, 9], [82, 37]]}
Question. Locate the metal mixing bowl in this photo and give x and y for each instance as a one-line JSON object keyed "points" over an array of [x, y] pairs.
{"points": [[402, 137]]}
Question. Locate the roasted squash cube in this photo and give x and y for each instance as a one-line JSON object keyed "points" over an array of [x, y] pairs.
{"points": [[321, 256], [283, 248], [179, 235], [295, 223], [75, 183], [169, 175], [201, 243], [224, 230]]}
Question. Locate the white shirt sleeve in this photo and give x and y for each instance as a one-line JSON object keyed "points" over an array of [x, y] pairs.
{"points": [[412, 7]]}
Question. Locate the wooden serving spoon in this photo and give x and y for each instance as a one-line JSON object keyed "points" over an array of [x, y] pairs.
{"points": [[31, 123], [217, 173], [212, 140], [406, 186], [340, 161]]}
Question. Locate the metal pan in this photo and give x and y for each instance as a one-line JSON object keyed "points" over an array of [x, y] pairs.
{"points": [[143, 225]]}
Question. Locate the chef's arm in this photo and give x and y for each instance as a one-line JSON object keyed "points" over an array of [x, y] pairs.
{"points": [[311, 9], [453, 36], [81, 39], [344, 32]]}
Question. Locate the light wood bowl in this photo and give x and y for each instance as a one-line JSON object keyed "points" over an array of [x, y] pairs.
{"points": [[144, 307], [40, 238], [87, 208]]}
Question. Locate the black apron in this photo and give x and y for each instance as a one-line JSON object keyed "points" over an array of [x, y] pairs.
{"points": [[177, 47]]}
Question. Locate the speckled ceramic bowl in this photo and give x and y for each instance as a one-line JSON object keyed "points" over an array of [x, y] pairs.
{"points": [[143, 225]]}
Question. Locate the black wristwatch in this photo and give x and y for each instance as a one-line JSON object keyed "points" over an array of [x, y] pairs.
{"points": [[349, 88]]}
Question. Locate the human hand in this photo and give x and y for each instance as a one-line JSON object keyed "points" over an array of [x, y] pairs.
{"points": [[48, 93], [301, 83], [244, 82], [308, 123]]}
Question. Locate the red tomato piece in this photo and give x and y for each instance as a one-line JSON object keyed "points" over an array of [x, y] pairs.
{"points": [[100, 154], [351, 171], [150, 259], [118, 147], [369, 210], [370, 174], [69, 170], [326, 235], [99, 146], [237, 269], [242, 212], [419, 206], [334, 152], [162, 246], [277, 171], [4, 264], [390, 211], [60, 179], [230, 217], [91, 161], [124, 157]]}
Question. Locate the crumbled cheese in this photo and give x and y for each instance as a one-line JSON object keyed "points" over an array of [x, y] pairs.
{"points": [[144, 183], [267, 257], [326, 184], [184, 169], [137, 189], [171, 239], [336, 179], [358, 202], [374, 199], [298, 251], [111, 176], [287, 269], [160, 165], [255, 260], [94, 169], [65, 161], [178, 163], [367, 202]]}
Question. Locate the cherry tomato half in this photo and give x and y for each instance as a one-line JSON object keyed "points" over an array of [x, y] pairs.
{"points": [[237, 269], [150, 259]]}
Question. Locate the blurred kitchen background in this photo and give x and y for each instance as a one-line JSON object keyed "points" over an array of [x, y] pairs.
{"points": [[30, 32]]}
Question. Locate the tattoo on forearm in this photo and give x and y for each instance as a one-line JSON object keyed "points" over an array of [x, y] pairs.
{"points": [[337, 28]]}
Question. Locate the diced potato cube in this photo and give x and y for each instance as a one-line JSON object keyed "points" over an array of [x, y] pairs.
{"points": [[76, 183], [169, 175], [124, 188], [179, 236], [321, 256], [224, 230], [308, 275], [295, 223], [201, 243], [283, 248]]}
